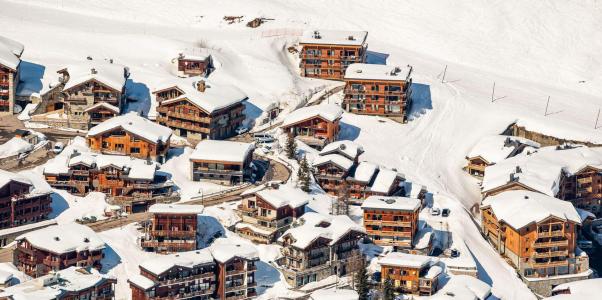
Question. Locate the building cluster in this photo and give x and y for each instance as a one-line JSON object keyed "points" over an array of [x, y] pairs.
{"points": [[221, 271]]}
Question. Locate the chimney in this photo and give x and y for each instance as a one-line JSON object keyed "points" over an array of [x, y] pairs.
{"points": [[93, 71], [200, 86]]}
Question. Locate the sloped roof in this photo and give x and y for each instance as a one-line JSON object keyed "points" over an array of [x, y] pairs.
{"points": [[336, 159], [309, 230], [189, 259], [165, 208], [285, 195], [365, 171], [400, 259], [105, 105], [328, 112], [64, 238], [224, 250], [215, 97], [228, 151], [111, 75], [135, 124], [6, 177], [10, 53], [393, 203], [347, 148], [334, 37], [384, 180]]}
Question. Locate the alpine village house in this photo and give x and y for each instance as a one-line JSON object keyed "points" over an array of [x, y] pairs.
{"points": [[173, 228], [223, 162], [411, 274], [198, 63], [132, 183], [200, 110], [326, 54], [58, 247], [222, 271], [315, 126], [10, 60], [269, 210], [20, 202], [131, 135], [379, 90], [85, 95], [391, 221]]}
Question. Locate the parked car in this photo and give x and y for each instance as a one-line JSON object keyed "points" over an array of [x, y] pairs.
{"points": [[435, 211], [58, 147], [261, 137], [455, 253], [242, 130], [445, 212]]}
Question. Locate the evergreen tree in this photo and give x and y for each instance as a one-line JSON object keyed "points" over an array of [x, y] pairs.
{"points": [[304, 175], [388, 290], [361, 280], [291, 147]]}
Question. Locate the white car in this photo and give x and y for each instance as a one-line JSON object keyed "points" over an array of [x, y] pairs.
{"points": [[435, 211], [263, 137], [241, 130], [58, 147]]}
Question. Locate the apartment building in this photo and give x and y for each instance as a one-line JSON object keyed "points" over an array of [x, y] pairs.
{"points": [[21, 202], [391, 221], [223, 162], [10, 60], [173, 228], [411, 274], [315, 126]]}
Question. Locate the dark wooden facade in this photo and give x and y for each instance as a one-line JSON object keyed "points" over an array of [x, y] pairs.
{"points": [[315, 131], [584, 189], [170, 232], [391, 227], [9, 78], [18, 206], [191, 65], [121, 142], [329, 61]]}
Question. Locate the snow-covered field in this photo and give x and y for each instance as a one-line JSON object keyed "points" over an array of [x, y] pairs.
{"points": [[530, 49]]}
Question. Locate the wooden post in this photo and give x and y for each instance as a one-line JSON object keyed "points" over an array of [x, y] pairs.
{"points": [[493, 92], [547, 105], [597, 117], [444, 72]]}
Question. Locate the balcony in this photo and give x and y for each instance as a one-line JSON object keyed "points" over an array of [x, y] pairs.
{"points": [[584, 180], [170, 233], [388, 223], [169, 113], [189, 278], [562, 243], [552, 233], [237, 271], [550, 254], [549, 264]]}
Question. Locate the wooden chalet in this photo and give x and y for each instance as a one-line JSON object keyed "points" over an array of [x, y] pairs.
{"points": [[537, 234], [315, 125], [10, 60], [58, 247], [131, 135], [411, 274], [198, 63], [584, 189], [318, 247], [223, 162], [20, 202], [173, 228], [378, 90], [84, 96], [493, 149], [391, 221], [326, 54], [131, 183], [200, 110], [68, 284], [268, 211]]}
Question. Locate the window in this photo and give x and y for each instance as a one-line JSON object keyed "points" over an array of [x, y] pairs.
{"points": [[135, 150]]}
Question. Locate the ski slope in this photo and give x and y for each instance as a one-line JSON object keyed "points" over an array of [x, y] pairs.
{"points": [[530, 49]]}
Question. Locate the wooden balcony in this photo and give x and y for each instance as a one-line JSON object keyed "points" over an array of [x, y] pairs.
{"points": [[388, 223], [170, 233], [169, 113], [584, 180], [552, 233], [539, 245], [550, 254], [171, 123]]}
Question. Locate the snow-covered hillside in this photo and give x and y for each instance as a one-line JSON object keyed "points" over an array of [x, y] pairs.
{"points": [[530, 49]]}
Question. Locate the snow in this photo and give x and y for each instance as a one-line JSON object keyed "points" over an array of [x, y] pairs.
{"points": [[12, 230], [309, 229], [391, 203], [215, 97], [384, 180], [227, 151], [111, 75], [141, 281], [463, 287], [377, 72], [163, 208], [6, 177], [583, 289], [561, 129], [25, 115], [61, 239], [334, 37], [197, 54], [14, 146], [105, 105], [10, 51], [189, 259], [328, 112], [400, 259], [365, 171], [492, 149], [347, 148], [519, 208], [284, 195], [14, 273], [336, 159], [135, 124], [224, 250], [334, 294], [433, 272]]}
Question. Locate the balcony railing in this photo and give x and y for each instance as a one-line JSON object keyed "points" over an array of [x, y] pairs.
{"points": [[179, 115], [549, 264], [173, 233], [550, 254], [553, 233], [388, 223], [550, 244]]}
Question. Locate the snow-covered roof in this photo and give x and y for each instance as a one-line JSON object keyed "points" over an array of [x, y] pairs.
{"points": [[494, 148], [377, 72], [135, 124], [27, 227], [365, 171], [164, 208], [309, 229], [223, 251], [423, 237], [541, 171], [463, 287], [328, 112], [64, 238], [336, 159], [399, 259], [584, 214], [5, 276], [433, 272], [10, 53], [285, 195], [198, 54], [52, 286], [15, 146], [6, 177], [561, 129], [111, 75], [105, 105], [334, 294], [384, 180], [519, 208], [580, 289], [391, 203], [227, 151], [189, 259], [215, 97], [349, 149], [334, 37], [141, 281]]}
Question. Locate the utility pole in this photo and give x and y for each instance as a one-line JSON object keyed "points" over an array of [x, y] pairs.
{"points": [[547, 105], [493, 92], [444, 72], [597, 117]]}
